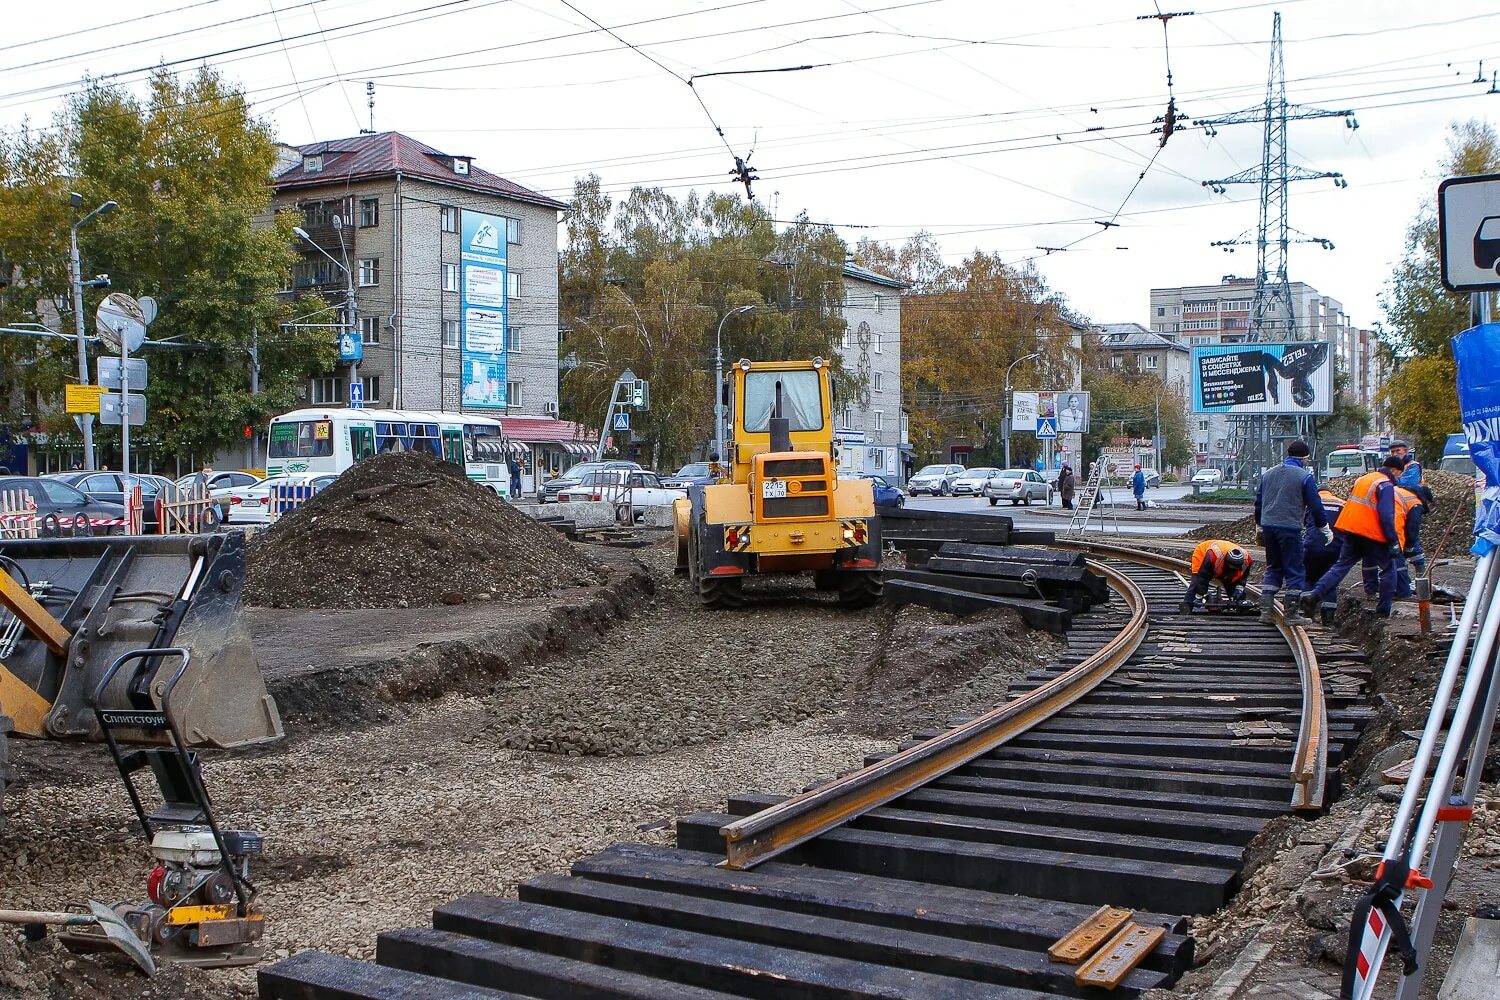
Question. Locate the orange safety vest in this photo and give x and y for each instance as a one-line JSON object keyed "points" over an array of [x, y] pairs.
{"points": [[1216, 552], [1360, 515], [1405, 501]]}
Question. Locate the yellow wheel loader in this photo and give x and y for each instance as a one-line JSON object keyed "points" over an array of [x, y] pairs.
{"points": [[138, 643], [780, 507]]}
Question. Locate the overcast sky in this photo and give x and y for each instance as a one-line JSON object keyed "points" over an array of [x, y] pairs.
{"points": [[969, 118]]}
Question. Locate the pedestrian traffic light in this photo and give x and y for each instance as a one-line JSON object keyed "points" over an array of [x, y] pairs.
{"points": [[640, 395]]}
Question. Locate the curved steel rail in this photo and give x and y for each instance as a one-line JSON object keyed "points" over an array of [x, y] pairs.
{"points": [[783, 826], [1310, 761]]}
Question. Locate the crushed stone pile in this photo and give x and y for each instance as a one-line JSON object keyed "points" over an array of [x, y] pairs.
{"points": [[408, 530], [1446, 530]]}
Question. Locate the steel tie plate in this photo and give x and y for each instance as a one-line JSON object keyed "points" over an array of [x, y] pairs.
{"points": [[1127, 949], [1074, 947]]}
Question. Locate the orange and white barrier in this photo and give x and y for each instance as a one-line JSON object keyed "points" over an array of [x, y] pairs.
{"points": [[17, 515]]}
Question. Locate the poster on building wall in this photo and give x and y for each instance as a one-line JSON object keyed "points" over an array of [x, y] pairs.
{"points": [[482, 305], [1069, 411], [1242, 379]]}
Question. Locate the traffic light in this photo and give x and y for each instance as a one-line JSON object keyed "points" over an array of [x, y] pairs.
{"points": [[640, 395]]}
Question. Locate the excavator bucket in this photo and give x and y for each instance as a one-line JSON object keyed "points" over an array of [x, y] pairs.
{"points": [[72, 610]]}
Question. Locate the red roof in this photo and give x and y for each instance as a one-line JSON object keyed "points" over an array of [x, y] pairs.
{"points": [[541, 429], [385, 154]]}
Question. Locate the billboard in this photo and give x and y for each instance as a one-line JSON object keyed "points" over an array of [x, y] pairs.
{"points": [[1245, 379], [1069, 411], [482, 310]]}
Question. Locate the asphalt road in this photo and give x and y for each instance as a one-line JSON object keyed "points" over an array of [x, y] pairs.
{"points": [[1172, 521]]}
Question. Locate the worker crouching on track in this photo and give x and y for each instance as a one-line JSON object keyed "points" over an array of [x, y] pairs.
{"points": [[1286, 497], [1320, 548], [1373, 524], [1221, 561]]}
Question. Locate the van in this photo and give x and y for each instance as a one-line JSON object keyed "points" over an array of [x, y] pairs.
{"points": [[1349, 460]]}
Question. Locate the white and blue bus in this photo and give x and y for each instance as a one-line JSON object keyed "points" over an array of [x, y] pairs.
{"points": [[329, 440]]}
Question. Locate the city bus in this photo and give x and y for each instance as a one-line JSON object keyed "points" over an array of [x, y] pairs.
{"points": [[329, 440], [1349, 460]]}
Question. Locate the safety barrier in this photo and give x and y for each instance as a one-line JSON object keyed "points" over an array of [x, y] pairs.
{"points": [[190, 512], [17, 515], [284, 499]]}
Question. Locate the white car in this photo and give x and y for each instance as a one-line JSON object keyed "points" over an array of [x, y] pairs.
{"points": [[935, 480], [970, 483], [1208, 477], [642, 489], [250, 504]]}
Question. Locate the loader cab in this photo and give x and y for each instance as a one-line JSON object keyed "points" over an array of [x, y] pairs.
{"points": [[805, 393]]}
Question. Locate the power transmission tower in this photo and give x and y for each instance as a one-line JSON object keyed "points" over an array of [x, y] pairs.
{"points": [[1273, 316]]}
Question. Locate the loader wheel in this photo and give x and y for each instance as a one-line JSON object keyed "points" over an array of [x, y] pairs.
{"points": [[826, 579], [681, 569], [860, 590], [5, 727], [721, 592]]}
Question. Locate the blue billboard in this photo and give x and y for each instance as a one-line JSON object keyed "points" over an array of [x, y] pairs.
{"points": [[482, 291]]}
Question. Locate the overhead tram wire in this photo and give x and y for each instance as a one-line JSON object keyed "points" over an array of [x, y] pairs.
{"points": [[105, 27]]}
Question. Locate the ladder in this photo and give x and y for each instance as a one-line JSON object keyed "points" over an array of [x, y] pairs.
{"points": [[1087, 499]]}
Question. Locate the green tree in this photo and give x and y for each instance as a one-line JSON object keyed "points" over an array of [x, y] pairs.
{"points": [[188, 165], [645, 282], [1422, 315], [1124, 402]]}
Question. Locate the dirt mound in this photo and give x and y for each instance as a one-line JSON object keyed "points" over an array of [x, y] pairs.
{"points": [[408, 530], [1446, 530]]}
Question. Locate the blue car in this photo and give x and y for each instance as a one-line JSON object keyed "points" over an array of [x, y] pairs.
{"points": [[886, 495], [692, 474]]}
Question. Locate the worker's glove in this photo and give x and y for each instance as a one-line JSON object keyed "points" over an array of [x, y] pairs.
{"points": [[1395, 551], [1260, 537], [1327, 534], [1409, 553]]}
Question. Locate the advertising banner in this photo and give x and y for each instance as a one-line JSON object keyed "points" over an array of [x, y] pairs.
{"points": [[1477, 352], [482, 305], [1245, 379], [1068, 411]]}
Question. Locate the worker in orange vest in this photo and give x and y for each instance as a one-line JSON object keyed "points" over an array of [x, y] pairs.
{"points": [[1216, 560], [1372, 524]]}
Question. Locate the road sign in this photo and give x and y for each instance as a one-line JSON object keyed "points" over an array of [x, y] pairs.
{"points": [[351, 346], [356, 395], [109, 372], [1046, 428], [82, 398], [1469, 232], [121, 322], [621, 421], [109, 408]]}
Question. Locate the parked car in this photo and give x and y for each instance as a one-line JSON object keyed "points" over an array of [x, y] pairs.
{"points": [[54, 497], [250, 504], [1019, 486], [971, 482], [1208, 477], [552, 487], [218, 480], [886, 495], [109, 487], [934, 480], [645, 488], [1153, 478], [692, 474]]}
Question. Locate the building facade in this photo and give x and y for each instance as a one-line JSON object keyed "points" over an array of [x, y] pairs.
{"points": [[870, 429]]}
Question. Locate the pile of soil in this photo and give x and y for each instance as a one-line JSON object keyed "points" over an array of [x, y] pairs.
{"points": [[408, 530], [1446, 529]]}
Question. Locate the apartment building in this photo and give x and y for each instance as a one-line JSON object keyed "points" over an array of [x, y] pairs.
{"points": [[870, 429], [395, 213]]}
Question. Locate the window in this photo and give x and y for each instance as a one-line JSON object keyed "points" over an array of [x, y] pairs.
{"points": [[512, 285], [369, 271], [312, 164], [326, 390], [450, 277], [369, 212], [512, 338], [1115, 361], [844, 340], [875, 380], [1200, 340], [448, 219], [1161, 310], [879, 303], [302, 438], [512, 394], [512, 230], [450, 333], [460, 166], [100, 484], [315, 271], [1152, 361], [369, 329], [879, 420], [875, 342], [372, 389], [1203, 425], [848, 417]]}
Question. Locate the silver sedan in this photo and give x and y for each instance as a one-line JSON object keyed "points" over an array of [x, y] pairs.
{"points": [[1019, 486]]}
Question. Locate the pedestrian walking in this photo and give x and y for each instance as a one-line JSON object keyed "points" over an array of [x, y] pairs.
{"points": [[1372, 524], [1284, 500], [515, 477], [1216, 561], [1066, 485], [1138, 487], [1412, 474]]}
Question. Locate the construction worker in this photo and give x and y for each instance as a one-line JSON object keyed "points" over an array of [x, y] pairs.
{"points": [[1320, 546], [1412, 473], [1216, 560], [1414, 503], [1138, 487], [1285, 498], [1373, 524]]}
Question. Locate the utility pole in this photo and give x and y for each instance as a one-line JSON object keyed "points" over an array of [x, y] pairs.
{"points": [[75, 277]]}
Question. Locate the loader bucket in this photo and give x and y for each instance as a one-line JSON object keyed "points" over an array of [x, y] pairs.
{"points": [[119, 594]]}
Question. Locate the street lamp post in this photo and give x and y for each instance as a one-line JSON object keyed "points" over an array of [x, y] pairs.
{"points": [[1006, 421], [75, 278], [350, 310], [719, 379]]}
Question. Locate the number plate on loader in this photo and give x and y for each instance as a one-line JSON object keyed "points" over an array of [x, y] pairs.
{"points": [[771, 489]]}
